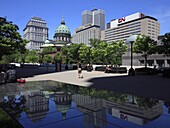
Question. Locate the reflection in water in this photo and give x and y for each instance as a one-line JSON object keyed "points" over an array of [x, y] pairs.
{"points": [[63, 102], [33, 100], [37, 105]]}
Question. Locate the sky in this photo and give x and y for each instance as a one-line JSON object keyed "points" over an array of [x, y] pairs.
{"points": [[52, 11]]}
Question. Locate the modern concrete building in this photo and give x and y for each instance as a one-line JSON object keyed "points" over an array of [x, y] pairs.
{"points": [[158, 60], [84, 33], [94, 17], [92, 23], [134, 24], [36, 32], [138, 23]]}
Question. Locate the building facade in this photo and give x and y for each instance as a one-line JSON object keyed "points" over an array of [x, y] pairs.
{"points": [[36, 32], [62, 37], [93, 22], [138, 23], [135, 24], [94, 17], [84, 33]]}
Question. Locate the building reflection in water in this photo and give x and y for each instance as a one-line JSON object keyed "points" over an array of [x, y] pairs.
{"points": [[94, 109], [37, 105], [132, 112], [63, 102], [95, 104]]}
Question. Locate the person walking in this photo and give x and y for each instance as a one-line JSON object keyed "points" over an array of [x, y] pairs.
{"points": [[79, 67]]}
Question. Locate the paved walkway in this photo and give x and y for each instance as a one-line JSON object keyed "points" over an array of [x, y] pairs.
{"points": [[152, 86], [71, 77]]}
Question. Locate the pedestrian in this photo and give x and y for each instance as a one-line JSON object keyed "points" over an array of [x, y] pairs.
{"points": [[79, 67]]}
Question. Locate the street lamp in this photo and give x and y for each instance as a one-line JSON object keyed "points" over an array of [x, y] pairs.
{"points": [[131, 40]]}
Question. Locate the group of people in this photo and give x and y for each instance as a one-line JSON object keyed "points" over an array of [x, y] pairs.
{"points": [[7, 74]]}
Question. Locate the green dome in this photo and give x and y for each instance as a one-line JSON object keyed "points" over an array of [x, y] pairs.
{"points": [[62, 28]]}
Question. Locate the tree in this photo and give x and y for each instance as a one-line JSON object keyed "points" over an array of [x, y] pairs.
{"points": [[99, 51], [165, 49], [47, 50], [85, 54], [32, 57], [58, 57], [145, 46], [10, 40], [107, 53], [115, 50], [71, 52], [47, 58]]}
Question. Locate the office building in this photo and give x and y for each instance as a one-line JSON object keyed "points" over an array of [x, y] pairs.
{"points": [[134, 24], [92, 23], [36, 32], [84, 33], [94, 17], [138, 23]]}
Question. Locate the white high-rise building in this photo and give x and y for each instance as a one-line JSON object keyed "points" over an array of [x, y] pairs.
{"points": [[138, 23], [36, 32], [134, 24]]}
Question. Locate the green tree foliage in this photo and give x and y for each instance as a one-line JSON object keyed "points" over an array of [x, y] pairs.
{"points": [[32, 57], [58, 57], [85, 54], [6, 121], [145, 46], [146, 102], [165, 49], [71, 52], [115, 50], [16, 57], [107, 53], [47, 58], [10, 40], [47, 50]]}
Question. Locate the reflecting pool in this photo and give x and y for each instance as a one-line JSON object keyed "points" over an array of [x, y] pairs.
{"points": [[53, 104]]}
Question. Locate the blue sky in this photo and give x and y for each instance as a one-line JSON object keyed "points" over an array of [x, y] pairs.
{"points": [[20, 11]]}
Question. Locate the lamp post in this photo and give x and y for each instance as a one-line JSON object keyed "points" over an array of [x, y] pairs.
{"points": [[131, 40]]}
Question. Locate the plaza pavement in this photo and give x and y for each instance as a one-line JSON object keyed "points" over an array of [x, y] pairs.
{"points": [[71, 77], [152, 86]]}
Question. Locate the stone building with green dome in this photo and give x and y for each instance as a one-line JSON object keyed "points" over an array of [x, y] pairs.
{"points": [[62, 37]]}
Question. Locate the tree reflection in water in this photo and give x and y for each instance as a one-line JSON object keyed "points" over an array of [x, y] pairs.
{"points": [[118, 103]]}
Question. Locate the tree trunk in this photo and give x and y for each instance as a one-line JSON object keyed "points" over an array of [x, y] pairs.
{"points": [[145, 61]]}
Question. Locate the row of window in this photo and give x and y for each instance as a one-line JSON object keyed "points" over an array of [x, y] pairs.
{"points": [[122, 32], [38, 23], [37, 29], [121, 29], [122, 36]]}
